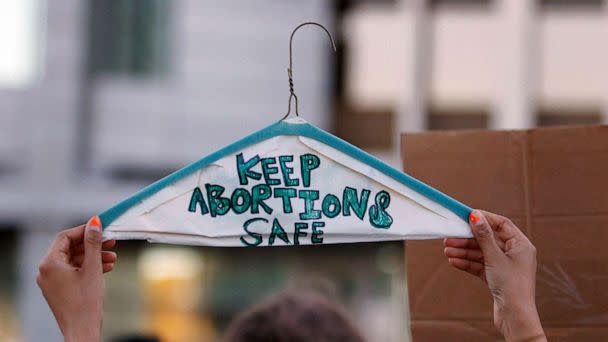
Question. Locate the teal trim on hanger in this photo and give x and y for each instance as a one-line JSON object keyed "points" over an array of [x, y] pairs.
{"points": [[299, 129]]}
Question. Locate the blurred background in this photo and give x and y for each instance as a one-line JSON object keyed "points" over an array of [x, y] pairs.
{"points": [[100, 98]]}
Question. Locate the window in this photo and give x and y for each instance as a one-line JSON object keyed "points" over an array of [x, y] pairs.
{"points": [[457, 119], [128, 37], [137, 173], [460, 4], [365, 128], [571, 4], [568, 117]]}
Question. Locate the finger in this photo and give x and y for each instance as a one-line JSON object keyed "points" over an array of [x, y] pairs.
{"points": [[469, 243], [92, 246], [109, 244], [505, 229], [67, 238], [461, 243], [107, 267], [484, 235], [463, 253], [106, 256], [61, 247], [79, 249], [473, 267]]}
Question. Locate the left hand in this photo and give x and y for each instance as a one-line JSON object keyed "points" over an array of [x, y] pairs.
{"points": [[71, 280]]}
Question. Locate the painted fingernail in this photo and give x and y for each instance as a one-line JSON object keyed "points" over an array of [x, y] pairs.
{"points": [[475, 218], [94, 223]]}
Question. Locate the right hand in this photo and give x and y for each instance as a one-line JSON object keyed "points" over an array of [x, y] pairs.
{"points": [[503, 257]]}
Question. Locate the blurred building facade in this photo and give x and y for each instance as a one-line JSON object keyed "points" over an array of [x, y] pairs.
{"points": [[98, 99], [101, 98], [462, 64]]}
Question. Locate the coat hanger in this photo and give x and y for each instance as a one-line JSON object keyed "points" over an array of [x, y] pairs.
{"points": [[292, 93], [359, 198]]}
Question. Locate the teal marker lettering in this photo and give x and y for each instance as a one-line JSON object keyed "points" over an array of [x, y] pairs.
{"points": [[257, 237], [244, 168], [218, 205], [331, 206], [277, 231], [308, 163], [317, 234], [286, 171], [197, 199], [268, 170], [286, 194], [350, 200], [378, 217], [299, 228], [309, 197], [241, 200], [259, 194]]}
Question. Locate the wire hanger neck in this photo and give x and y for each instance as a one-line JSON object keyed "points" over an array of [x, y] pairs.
{"points": [[292, 93]]}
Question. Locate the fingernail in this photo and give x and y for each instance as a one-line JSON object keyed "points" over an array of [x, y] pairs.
{"points": [[94, 223], [476, 218]]}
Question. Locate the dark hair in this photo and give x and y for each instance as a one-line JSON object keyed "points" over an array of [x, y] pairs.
{"points": [[293, 317], [136, 338]]}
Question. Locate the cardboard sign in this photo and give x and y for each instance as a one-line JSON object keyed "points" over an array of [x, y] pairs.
{"points": [[288, 184], [552, 183]]}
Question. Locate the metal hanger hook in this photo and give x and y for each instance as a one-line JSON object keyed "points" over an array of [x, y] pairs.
{"points": [[292, 93]]}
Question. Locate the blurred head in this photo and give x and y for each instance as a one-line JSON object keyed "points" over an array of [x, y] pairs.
{"points": [[136, 338], [294, 317]]}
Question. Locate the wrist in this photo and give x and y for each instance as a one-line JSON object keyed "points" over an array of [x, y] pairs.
{"points": [[521, 323], [83, 335], [83, 332]]}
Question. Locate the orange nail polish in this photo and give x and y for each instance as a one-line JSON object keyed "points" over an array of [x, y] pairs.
{"points": [[94, 221], [473, 218]]}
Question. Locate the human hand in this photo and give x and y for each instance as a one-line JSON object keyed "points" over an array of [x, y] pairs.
{"points": [[71, 280], [502, 257]]}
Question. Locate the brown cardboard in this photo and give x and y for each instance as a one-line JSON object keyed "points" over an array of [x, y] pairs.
{"points": [[553, 183], [454, 331]]}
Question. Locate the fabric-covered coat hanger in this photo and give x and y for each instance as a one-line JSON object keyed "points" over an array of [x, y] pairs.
{"points": [[290, 183]]}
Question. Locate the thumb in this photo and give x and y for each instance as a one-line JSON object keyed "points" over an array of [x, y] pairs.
{"points": [[485, 236], [92, 246]]}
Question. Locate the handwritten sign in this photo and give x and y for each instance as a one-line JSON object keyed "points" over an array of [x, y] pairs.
{"points": [[287, 185], [273, 177]]}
